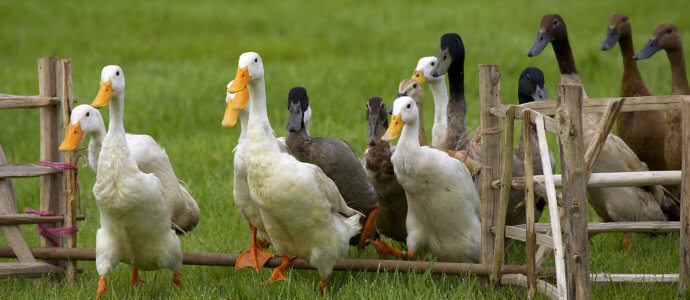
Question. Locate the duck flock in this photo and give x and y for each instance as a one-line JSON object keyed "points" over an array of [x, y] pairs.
{"points": [[312, 197]]}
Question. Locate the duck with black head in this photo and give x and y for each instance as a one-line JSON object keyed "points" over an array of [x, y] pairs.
{"points": [[613, 204], [337, 160], [642, 131], [451, 60], [667, 37]]}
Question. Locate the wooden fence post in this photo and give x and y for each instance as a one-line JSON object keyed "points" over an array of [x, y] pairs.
{"points": [[531, 237], [684, 266], [65, 93], [52, 186], [571, 144], [506, 173], [489, 97]]}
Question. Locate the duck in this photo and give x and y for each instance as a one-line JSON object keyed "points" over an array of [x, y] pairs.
{"points": [[149, 157], [303, 213], [390, 220], [135, 217], [442, 203], [638, 129], [412, 88], [254, 257], [422, 74], [667, 37], [451, 60], [612, 204], [336, 159]]}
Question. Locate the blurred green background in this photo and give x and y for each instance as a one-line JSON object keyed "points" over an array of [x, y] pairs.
{"points": [[178, 57]]}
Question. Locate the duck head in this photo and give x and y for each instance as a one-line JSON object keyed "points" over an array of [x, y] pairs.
{"points": [[531, 86], [422, 73], [404, 112], [665, 36], [552, 27], [297, 105], [249, 67], [377, 120], [234, 103], [452, 50], [411, 88], [84, 119], [112, 84], [618, 25]]}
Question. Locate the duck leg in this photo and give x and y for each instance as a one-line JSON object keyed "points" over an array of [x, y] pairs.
{"points": [[101, 287], [368, 226], [177, 279], [278, 273], [383, 249], [136, 280], [253, 257], [626, 242], [322, 286]]}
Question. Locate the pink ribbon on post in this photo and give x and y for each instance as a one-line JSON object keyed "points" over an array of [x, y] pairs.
{"points": [[68, 166]]}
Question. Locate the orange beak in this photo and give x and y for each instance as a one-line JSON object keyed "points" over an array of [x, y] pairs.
{"points": [[105, 92], [234, 106], [241, 80], [73, 138], [394, 128], [419, 76]]}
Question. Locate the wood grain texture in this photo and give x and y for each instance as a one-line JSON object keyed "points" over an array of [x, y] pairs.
{"points": [[506, 173], [531, 238], [684, 264]]}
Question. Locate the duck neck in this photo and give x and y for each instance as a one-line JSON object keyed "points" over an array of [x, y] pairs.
{"points": [[679, 80], [116, 127], [456, 79], [564, 55], [440, 93], [409, 137], [631, 74], [244, 119], [95, 144], [259, 128], [422, 135]]}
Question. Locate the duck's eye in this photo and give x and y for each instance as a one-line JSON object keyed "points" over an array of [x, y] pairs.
{"points": [[87, 114], [625, 19], [117, 73], [528, 77], [408, 105], [256, 60], [432, 63], [414, 86], [444, 56], [555, 22], [668, 31]]}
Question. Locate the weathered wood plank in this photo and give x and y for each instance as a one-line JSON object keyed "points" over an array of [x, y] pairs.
{"points": [[26, 170], [635, 278], [19, 219], [610, 179], [597, 227], [518, 232], [529, 209], [599, 105], [489, 97], [348, 264], [27, 270], [14, 101], [542, 286], [605, 125], [684, 264], [569, 118], [506, 173]]}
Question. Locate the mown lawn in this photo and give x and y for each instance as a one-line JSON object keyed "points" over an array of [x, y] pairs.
{"points": [[178, 56]]}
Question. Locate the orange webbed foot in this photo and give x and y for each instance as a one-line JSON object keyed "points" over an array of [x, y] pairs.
{"points": [[278, 273], [322, 286], [626, 243], [253, 257], [177, 279], [101, 287], [383, 249], [136, 280], [368, 227]]}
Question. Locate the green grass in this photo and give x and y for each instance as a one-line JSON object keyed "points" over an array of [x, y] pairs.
{"points": [[178, 56]]}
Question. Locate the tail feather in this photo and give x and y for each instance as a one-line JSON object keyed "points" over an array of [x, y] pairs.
{"points": [[190, 218], [670, 205]]}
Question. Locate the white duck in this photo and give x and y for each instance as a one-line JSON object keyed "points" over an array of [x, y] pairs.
{"points": [[135, 219], [422, 73], [253, 257], [300, 207], [149, 157], [442, 203]]}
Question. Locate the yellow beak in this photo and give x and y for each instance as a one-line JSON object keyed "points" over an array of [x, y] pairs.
{"points": [[241, 80], [394, 129], [234, 106], [73, 138], [105, 92], [419, 76]]}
